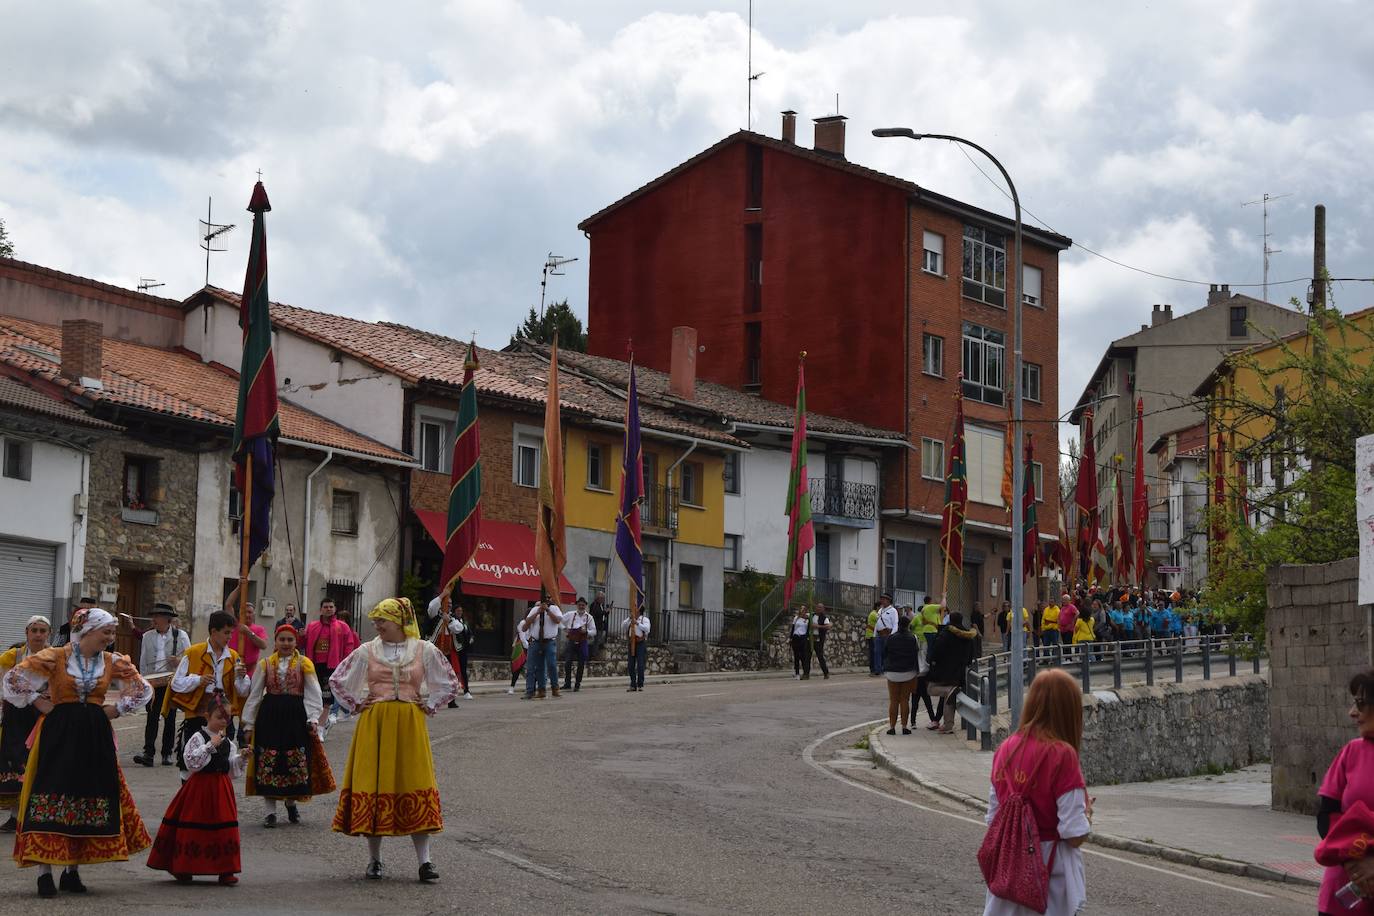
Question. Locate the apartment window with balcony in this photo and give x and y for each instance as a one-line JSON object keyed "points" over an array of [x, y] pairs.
{"points": [[1031, 279], [343, 515], [733, 543], [984, 357], [1239, 316], [753, 260], [1030, 381], [985, 266], [732, 460], [932, 459], [933, 355], [933, 254], [596, 466]]}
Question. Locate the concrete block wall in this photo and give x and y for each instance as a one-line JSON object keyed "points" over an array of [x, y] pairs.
{"points": [[1318, 637]]}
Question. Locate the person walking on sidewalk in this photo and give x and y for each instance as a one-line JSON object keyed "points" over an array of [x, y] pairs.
{"points": [[158, 654], [581, 630], [901, 656], [640, 656], [821, 621], [542, 624], [1040, 762], [801, 645], [883, 628]]}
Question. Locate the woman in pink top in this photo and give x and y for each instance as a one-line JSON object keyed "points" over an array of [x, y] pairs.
{"points": [[1042, 760], [1349, 779]]}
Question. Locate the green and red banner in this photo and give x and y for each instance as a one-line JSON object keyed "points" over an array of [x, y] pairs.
{"points": [[1140, 497], [801, 534], [465, 481]]}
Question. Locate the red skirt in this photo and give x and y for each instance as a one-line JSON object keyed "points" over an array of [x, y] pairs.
{"points": [[200, 831]]}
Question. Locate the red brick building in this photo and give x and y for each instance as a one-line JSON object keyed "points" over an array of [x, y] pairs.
{"points": [[769, 248]]}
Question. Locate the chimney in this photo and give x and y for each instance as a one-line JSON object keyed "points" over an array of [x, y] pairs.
{"points": [[1161, 314], [830, 135], [789, 127], [1218, 293], [682, 379], [81, 351]]}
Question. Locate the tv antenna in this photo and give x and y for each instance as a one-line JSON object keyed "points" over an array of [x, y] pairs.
{"points": [[551, 269], [749, 71], [210, 235], [1264, 205], [147, 283]]}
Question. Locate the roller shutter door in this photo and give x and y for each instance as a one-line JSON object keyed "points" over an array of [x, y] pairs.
{"points": [[28, 579]]}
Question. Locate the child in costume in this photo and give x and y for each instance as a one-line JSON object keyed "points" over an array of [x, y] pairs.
{"points": [[75, 808], [18, 722], [287, 762], [200, 831], [389, 788], [212, 667]]}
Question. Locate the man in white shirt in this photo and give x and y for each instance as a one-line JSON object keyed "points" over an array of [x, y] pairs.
{"points": [[639, 657], [579, 628], [885, 626], [542, 624], [158, 653], [801, 644]]}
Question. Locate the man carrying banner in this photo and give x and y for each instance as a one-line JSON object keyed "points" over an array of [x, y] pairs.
{"points": [[637, 630], [542, 624]]}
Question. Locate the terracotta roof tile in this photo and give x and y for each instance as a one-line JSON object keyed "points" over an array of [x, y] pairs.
{"points": [[169, 382], [16, 394]]}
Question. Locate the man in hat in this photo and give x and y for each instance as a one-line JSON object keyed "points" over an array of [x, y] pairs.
{"points": [[883, 627], [579, 628], [158, 654]]}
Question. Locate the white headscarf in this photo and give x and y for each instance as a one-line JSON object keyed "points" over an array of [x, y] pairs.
{"points": [[37, 618], [90, 619]]}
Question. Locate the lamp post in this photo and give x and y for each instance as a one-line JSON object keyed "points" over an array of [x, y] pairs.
{"points": [[1016, 678]]}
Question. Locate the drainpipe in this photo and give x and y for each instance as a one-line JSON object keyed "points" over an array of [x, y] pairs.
{"points": [[305, 565], [668, 481]]}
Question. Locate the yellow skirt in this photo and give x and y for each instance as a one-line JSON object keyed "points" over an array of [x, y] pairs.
{"points": [[388, 784]]}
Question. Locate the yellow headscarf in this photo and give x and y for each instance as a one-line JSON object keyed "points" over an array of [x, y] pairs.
{"points": [[398, 610]]}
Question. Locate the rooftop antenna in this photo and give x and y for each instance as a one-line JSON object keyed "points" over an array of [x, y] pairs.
{"points": [[749, 72], [147, 283], [210, 233], [551, 269], [1264, 205]]}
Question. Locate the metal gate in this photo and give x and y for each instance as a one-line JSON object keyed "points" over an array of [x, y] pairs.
{"points": [[28, 580]]}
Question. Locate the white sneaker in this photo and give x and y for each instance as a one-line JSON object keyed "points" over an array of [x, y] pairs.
{"points": [[510, 691], [328, 724], [467, 696]]}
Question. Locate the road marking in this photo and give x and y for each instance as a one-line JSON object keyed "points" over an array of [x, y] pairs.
{"points": [[526, 865], [809, 755], [700, 695]]}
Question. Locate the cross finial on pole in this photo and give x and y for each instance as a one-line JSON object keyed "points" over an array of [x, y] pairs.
{"points": [[259, 174]]}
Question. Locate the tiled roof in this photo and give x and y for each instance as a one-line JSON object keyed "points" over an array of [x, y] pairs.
{"points": [[719, 400], [939, 201], [15, 394], [39, 274], [422, 356], [168, 382]]}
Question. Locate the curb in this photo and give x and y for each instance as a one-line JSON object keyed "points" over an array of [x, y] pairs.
{"points": [[882, 758], [493, 688]]}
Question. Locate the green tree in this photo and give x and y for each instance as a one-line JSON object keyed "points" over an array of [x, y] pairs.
{"points": [[557, 317], [6, 246]]}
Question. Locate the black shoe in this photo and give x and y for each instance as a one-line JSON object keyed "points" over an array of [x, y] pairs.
{"points": [[428, 872], [906, 731], [452, 704], [46, 887], [269, 821], [71, 881], [167, 760], [374, 870], [567, 686], [577, 688], [892, 731], [632, 690], [293, 814], [9, 826], [143, 759]]}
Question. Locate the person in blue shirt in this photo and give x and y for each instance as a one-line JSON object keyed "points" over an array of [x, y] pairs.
{"points": [[1158, 623], [1128, 623], [1175, 623]]}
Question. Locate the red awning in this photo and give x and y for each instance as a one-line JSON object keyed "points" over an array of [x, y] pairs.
{"points": [[504, 564]]}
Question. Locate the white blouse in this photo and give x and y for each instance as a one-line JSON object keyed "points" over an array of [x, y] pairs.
{"points": [[314, 700], [1068, 891], [22, 686], [198, 752], [350, 686]]}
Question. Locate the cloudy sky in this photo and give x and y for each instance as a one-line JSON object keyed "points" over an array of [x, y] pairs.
{"points": [[423, 158]]}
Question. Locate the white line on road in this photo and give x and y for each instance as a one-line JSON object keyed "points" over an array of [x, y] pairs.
{"points": [[526, 865], [809, 755], [700, 695]]}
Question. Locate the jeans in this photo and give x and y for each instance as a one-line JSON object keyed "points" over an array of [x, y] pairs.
{"points": [[169, 725], [541, 667], [638, 659], [872, 665], [1049, 637], [879, 647]]}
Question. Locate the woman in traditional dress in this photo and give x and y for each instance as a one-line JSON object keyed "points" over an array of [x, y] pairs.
{"points": [[75, 808], [200, 831], [18, 722], [279, 721], [389, 787]]}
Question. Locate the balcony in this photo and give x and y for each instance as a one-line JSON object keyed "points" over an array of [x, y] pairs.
{"points": [[839, 502], [658, 511]]}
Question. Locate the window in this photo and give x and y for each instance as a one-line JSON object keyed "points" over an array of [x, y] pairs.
{"points": [[1239, 315], [933, 255], [691, 483], [596, 466], [526, 460], [932, 355], [932, 459], [689, 586], [1030, 286], [753, 260], [235, 504], [140, 481], [434, 441], [904, 569], [732, 552], [985, 456], [597, 570], [1038, 480], [343, 516], [753, 354], [985, 266], [984, 352], [17, 459], [753, 188], [1030, 381], [732, 460], [1257, 471]]}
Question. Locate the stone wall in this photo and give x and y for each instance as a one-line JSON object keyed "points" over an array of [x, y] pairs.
{"points": [[1137, 734], [1318, 637]]}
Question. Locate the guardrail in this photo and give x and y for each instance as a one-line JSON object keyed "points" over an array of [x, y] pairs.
{"points": [[985, 681]]}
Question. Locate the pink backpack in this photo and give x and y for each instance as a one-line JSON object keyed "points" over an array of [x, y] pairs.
{"points": [[1010, 854]]}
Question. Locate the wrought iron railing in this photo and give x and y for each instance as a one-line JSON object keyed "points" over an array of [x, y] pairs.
{"points": [[843, 499], [659, 508]]}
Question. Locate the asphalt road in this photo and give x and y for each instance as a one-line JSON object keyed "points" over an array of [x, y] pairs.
{"points": [[731, 797]]}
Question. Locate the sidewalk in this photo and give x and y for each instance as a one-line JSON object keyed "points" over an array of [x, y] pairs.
{"points": [[1222, 823], [487, 688]]}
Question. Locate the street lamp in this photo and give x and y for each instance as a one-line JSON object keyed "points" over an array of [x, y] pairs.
{"points": [[1015, 683]]}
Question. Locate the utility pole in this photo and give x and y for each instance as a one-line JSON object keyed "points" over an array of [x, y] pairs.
{"points": [[1316, 296]]}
